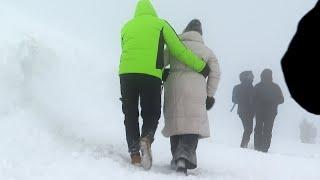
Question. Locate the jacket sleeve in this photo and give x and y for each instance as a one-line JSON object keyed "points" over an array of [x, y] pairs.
{"points": [[214, 75], [180, 51], [235, 95], [280, 98]]}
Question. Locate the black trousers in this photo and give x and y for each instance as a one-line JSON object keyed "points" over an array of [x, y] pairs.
{"points": [[185, 147], [263, 131], [148, 90], [247, 122]]}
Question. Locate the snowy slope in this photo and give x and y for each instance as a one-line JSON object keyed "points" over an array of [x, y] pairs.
{"points": [[60, 117], [32, 151]]}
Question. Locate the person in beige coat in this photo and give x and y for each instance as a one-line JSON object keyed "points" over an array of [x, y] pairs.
{"points": [[187, 97]]}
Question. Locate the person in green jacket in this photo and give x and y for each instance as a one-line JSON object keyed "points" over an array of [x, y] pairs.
{"points": [[143, 40]]}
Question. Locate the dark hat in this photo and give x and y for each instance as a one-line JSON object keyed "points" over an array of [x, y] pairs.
{"points": [[194, 25]]}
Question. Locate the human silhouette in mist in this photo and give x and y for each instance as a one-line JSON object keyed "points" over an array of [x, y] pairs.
{"points": [[242, 95], [267, 97]]}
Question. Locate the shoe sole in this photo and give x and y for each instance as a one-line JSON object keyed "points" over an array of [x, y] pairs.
{"points": [[146, 158]]}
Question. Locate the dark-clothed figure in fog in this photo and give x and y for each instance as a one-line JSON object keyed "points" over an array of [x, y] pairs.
{"points": [[267, 98], [242, 95], [300, 63]]}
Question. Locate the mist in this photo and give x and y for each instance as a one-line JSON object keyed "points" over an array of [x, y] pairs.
{"points": [[59, 65]]}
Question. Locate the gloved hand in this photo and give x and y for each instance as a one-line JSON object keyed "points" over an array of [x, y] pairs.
{"points": [[165, 74], [205, 71], [210, 102]]}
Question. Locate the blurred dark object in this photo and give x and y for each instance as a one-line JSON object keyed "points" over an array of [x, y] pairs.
{"points": [[165, 74], [300, 63]]}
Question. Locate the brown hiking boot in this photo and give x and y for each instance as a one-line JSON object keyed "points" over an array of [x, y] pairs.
{"points": [[136, 159]]}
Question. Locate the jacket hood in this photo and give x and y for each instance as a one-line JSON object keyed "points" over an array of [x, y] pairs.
{"points": [[192, 36], [246, 77], [144, 7]]}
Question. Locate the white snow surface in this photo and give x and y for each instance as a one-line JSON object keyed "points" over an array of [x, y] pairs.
{"points": [[60, 115]]}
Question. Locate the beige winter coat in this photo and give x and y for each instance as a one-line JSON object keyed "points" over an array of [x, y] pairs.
{"points": [[186, 91]]}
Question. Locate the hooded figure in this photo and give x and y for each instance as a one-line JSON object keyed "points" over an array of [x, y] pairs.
{"points": [[267, 97], [141, 66], [242, 95], [185, 96], [300, 63]]}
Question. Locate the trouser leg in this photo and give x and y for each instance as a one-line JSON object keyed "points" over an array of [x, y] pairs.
{"points": [[150, 101], [174, 141], [267, 131], [258, 133], [184, 147], [247, 122], [130, 99]]}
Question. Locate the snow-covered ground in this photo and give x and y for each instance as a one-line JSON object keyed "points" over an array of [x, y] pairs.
{"points": [[60, 117], [32, 150]]}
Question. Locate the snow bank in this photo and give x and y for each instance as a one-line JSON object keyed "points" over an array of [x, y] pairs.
{"points": [[68, 81]]}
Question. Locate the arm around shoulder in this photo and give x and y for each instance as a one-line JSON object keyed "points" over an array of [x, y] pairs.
{"points": [[180, 51]]}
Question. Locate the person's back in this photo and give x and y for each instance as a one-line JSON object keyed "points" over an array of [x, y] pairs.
{"points": [[194, 41], [143, 39], [267, 95], [185, 90], [140, 43]]}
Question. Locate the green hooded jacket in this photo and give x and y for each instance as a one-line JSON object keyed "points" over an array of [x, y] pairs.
{"points": [[143, 39]]}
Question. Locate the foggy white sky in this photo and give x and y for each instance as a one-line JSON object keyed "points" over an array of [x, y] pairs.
{"points": [[244, 34], [247, 34]]}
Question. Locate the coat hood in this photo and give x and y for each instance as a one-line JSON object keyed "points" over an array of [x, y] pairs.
{"points": [[246, 77], [144, 7], [192, 36]]}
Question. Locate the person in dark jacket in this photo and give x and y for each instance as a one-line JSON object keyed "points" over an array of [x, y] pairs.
{"points": [[242, 95], [141, 67], [267, 97], [300, 62]]}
